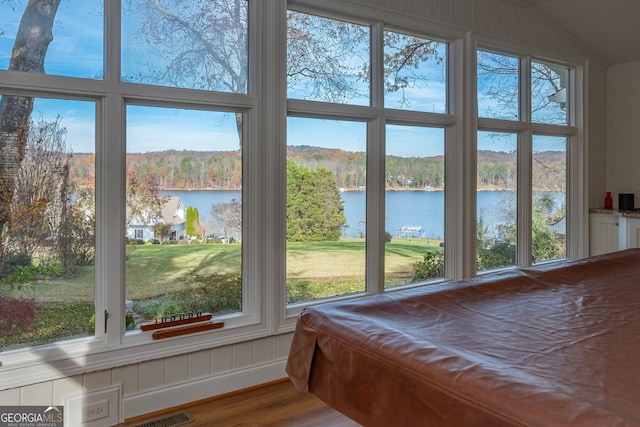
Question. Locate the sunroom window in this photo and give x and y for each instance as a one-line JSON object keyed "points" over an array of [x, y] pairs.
{"points": [[184, 203], [47, 221], [539, 144], [336, 142]]}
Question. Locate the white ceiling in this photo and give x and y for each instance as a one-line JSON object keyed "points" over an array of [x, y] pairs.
{"points": [[611, 28]]}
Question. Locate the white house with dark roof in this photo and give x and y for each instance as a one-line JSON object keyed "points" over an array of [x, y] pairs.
{"points": [[173, 213]]}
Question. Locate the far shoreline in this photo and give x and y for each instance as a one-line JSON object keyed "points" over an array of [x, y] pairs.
{"points": [[342, 190]]}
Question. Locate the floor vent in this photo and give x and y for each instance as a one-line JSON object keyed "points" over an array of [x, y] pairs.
{"points": [[171, 420]]}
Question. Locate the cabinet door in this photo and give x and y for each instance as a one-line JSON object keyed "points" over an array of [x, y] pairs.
{"points": [[629, 233], [604, 234]]}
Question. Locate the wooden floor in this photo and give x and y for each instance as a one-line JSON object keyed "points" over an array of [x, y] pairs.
{"points": [[275, 404]]}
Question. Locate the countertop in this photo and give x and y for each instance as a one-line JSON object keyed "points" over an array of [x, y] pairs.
{"points": [[627, 214]]}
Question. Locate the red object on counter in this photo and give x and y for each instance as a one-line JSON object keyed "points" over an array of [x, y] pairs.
{"points": [[608, 201]]}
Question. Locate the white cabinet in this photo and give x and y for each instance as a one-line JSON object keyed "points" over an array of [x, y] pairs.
{"points": [[604, 233], [612, 231], [629, 232]]}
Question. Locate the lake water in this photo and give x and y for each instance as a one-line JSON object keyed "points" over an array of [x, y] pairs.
{"points": [[421, 210]]}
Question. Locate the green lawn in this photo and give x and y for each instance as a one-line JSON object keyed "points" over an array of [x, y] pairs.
{"points": [[155, 274], [153, 270]]}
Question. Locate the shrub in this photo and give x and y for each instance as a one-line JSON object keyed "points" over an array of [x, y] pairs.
{"points": [[432, 265], [15, 315], [298, 290], [20, 275], [16, 259], [216, 294]]}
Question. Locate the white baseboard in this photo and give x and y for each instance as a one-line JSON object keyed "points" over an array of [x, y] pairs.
{"points": [[180, 394]]}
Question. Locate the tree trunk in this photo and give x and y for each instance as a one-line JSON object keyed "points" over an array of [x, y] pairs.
{"points": [[28, 54]]}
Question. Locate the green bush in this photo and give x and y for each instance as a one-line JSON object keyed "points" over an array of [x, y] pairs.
{"points": [[216, 294], [16, 259], [499, 255], [20, 274], [298, 290], [52, 322], [431, 266]]}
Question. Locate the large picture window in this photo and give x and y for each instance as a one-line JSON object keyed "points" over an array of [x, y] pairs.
{"points": [[177, 160], [414, 82], [47, 221], [183, 213], [542, 219]]}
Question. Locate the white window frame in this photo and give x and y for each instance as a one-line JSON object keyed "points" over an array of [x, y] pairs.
{"points": [[113, 347], [525, 130], [266, 108]]}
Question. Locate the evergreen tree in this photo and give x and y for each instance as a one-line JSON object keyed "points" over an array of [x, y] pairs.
{"points": [[192, 221], [315, 211]]}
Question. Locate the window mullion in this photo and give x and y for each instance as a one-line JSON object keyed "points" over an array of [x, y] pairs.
{"points": [[524, 198], [376, 168]]}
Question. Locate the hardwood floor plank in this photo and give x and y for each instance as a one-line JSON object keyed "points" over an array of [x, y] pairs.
{"points": [[275, 404]]}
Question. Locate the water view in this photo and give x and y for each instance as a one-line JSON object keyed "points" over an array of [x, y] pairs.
{"points": [[420, 210]]}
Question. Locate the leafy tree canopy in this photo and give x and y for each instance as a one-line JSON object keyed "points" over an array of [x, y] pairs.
{"points": [[315, 211]]}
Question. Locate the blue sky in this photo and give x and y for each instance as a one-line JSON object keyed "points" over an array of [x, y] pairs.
{"points": [[77, 51]]}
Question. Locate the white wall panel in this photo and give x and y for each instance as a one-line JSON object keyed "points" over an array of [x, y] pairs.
{"points": [[97, 380], [242, 355], [433, 9], [281, 344], [200, 364], [151, 374], [176, 369], [37, 394], [10, 397], [263, 350], [66, 387], [128, 377], [222, 359]]}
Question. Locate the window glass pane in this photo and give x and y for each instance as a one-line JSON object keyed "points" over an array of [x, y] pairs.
{"points": [[327, 60], [496, 200], [549, 86], [194, 45], [415, 71], [498, 86], [183, 213], [549, 177], [326, 217], [76, 49], [47, 220], [414, 204]]}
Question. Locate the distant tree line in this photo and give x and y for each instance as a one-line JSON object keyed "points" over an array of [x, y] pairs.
{"points": [[223, 170]]}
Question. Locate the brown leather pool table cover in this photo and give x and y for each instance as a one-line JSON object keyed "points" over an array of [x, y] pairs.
{"points": [[555, 345]]}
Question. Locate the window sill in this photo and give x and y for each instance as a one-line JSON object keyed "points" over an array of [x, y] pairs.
{"points": [[74, 357]]}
